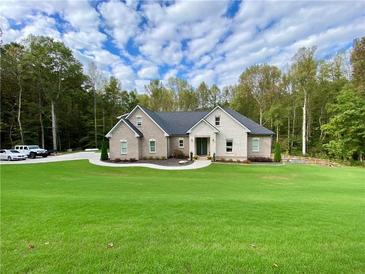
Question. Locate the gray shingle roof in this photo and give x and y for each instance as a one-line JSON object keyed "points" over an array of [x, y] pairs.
{"points": [[132, 126], [254, 127], [179, 122]]}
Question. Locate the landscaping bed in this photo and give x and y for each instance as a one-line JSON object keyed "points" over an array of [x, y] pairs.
{"points": [[164, 162]]}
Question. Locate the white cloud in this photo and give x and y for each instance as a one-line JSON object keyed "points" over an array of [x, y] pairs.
{"points": [[150, 72], [121, 19], [194, 39]]}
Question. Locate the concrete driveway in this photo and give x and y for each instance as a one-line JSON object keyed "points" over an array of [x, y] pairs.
{"points": [[94, 158]]}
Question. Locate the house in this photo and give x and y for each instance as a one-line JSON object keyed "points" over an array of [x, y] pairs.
{"points": [[143, 133]]}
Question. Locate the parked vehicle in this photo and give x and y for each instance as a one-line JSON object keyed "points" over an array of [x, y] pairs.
{"points": [[31, 151], [11, 154]]}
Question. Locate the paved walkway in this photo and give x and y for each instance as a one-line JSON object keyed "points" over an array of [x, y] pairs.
{"points": [[94, 158]]}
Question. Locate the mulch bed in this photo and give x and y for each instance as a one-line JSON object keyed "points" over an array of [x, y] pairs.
{"points": [[168, 162]]}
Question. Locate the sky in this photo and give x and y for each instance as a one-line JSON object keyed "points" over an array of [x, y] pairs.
{"points": [[211, 41]]}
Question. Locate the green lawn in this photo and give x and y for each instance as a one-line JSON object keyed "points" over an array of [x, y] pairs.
{"points": [[221, 219]]}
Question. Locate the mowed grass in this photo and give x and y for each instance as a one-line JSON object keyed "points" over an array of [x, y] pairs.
{"points": [[60, 218]]}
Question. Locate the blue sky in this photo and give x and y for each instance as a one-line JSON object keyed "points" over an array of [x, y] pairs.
{"points": [[211, 41]]}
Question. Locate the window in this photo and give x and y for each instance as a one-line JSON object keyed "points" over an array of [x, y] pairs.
{"points": [[152, 146], [229, 145], [139, 121], [181, 142], [123, 147], [217, 120], [255, 144]]}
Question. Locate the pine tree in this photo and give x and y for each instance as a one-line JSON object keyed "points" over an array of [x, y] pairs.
{"points": [[277, 153], [104, 152]]}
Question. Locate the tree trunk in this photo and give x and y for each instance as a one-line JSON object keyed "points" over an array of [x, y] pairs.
{"points": [[41, 120], [293, 128], [304, 126], [95, 126], [54, 126], [20, 110], [261, 116], [289, 132], [277, 133], [103, 121]]}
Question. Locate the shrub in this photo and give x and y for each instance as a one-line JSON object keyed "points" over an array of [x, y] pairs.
{"points": [[178, 154], [260, 159], [213, 157], [246, 161], [151, 158], [195, 157], [104, 151], [230, 160], [163, 158], [277, 153], [191, 156], [132, 160], [117, 160], [209, 157]]}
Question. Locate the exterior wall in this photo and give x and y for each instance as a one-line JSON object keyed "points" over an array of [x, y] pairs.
{"points": [[174, 144], [264, 145], [203, 130], [150, 131], [229, 129], [123, 132]]}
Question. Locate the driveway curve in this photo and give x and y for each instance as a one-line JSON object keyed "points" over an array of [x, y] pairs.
{"points": [[94, 158]]}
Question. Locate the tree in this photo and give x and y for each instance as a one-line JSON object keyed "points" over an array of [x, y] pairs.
{"points": [[304, 75], [96, 80], [203, 96], [14, 61], [277, 153], [184, 95], [160, 98], [104, 151], [346, 127], [261, 81], [358, 65]]}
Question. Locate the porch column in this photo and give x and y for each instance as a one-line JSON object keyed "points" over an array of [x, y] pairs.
{"points": [[213, 144], [192, 145]]}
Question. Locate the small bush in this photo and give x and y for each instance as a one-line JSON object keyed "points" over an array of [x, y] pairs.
{"points": [[195, 157], [117, 160], [178, 154], [260, 159], [191, 156], [277, 153], [213, 157], [151, 158], [104, 152], [230, 160], [163, 158], [132, 160], [209, 157], [246, 162]]}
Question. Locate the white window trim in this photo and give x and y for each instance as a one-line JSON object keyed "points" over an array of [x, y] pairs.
{"points": [[138, 119], [215, 120], [149, 145], [181, 139], [258, 145], [230, 139], [126, 142]]}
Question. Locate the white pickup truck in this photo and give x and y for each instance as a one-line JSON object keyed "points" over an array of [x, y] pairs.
{"points": [[31, 151]]}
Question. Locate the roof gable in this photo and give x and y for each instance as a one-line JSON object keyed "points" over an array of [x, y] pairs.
{"points": [[154, 118], [137, 133]]}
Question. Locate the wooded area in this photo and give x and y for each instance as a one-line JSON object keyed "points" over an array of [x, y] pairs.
{"points": [[316, 107]]}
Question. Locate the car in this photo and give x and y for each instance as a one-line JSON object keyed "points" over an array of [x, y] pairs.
{"points": [[31, 151], [11, 154]]}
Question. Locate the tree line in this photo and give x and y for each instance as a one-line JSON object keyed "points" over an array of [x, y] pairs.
{"points": [[315, 107]]}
